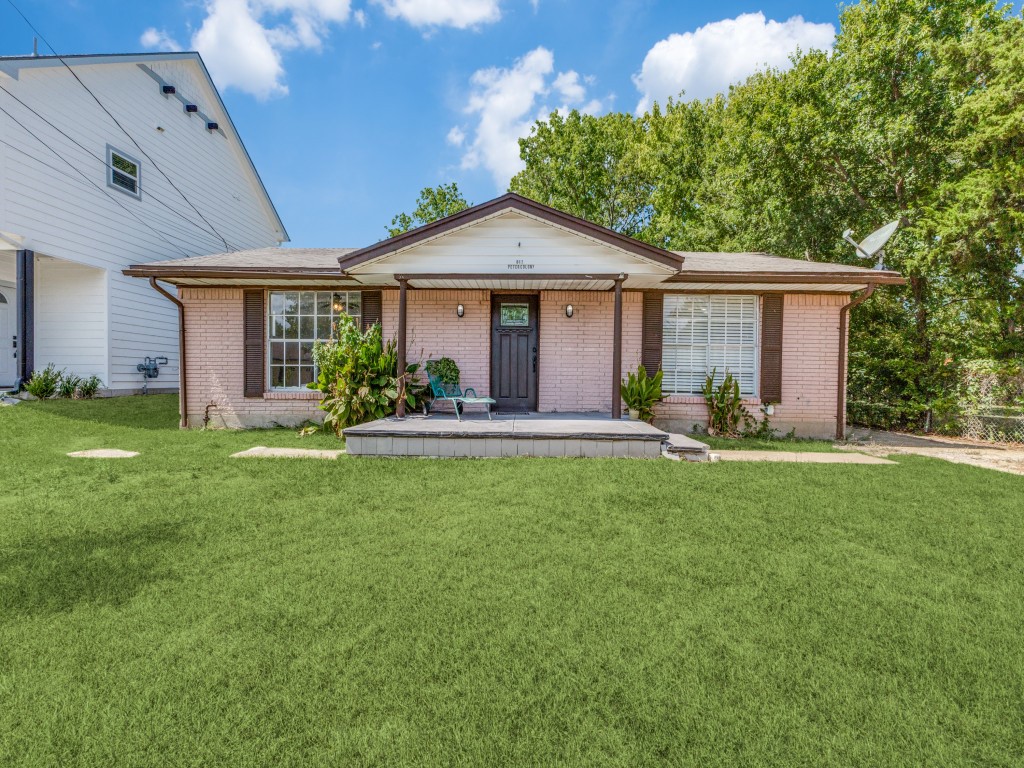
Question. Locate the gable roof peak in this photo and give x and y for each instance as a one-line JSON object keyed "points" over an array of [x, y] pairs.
{"points": [[512, 201]]}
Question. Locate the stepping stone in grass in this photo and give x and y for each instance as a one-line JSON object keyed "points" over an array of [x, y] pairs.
{"points": [[261, 452], [104, 453]]}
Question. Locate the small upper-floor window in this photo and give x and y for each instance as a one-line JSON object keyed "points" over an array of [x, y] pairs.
{"points": [[123, 172]]}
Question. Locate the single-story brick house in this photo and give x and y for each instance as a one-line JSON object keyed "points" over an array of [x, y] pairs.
{"points": [[542, 310]]}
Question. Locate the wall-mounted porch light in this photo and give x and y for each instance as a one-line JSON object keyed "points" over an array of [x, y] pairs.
{"points": [[569, 310], [460, 310]]}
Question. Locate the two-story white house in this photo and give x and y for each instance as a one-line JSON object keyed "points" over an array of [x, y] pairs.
{"points": [[106, 161]]}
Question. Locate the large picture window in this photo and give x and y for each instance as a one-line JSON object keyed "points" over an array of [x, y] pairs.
{"points": [[296, 319], [709, 333]]}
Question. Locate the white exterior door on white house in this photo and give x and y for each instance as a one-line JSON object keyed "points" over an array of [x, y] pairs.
{"points": [[8, 362]]}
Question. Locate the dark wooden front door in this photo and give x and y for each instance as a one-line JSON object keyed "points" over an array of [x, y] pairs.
{"points": [[514, 351]]}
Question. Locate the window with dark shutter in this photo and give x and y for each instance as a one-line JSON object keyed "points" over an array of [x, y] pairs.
{"points": [[771, 348], [372, 308], [255, 331], [653, 329]]}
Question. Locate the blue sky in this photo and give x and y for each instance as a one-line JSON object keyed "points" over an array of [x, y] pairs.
{"points": [[350, 107]]}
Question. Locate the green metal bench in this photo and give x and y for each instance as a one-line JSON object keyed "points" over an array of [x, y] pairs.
{"points": [[458, 396]]}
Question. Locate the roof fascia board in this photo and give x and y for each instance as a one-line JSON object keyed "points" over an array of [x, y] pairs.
{"points": [[13, 65], [866, 276]]}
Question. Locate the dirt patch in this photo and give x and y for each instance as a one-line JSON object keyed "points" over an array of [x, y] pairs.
{"points": [[1002, 458]]}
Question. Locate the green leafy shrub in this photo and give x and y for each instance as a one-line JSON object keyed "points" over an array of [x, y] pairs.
{"points": [[44, 383], [725, 406], [68, 385], [445, 369], [87, 388], [640, 392], [884, 416], [759, 429], [357, 372]]}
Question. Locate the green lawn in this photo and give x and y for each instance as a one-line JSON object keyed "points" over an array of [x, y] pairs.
{"points": [[187, 609]]}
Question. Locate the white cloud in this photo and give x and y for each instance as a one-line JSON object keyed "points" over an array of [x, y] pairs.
{"points": [[359, 17], [242, 40], [159, 39], [460, 14], [707, 61], [507, 101], [456, 136]]}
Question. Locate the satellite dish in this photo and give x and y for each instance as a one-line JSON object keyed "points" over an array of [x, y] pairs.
{"points": [[873, 243]]}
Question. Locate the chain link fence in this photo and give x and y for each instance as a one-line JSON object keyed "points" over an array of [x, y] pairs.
{"points": [[996, 425], [986, 403]]}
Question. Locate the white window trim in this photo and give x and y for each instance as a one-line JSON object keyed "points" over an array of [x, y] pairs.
{"points": [[753, 396], [267, 340], [111, 151]]}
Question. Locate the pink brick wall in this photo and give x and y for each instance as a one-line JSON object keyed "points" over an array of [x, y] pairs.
{"points": [[810, 349], [576, 352], [434, 330], [214, 356], [575, 356]]}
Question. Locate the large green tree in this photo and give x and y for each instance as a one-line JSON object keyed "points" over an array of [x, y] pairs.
{"points": [[433, 203], [588, 166], [917, 115]]}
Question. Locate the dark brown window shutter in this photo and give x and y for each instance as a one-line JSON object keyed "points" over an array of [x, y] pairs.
{"points": [[771, 349], [373, 306], [653, 329], [255, 323]]}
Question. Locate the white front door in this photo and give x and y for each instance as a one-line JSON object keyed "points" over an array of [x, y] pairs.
{"points": [[8, 328]]}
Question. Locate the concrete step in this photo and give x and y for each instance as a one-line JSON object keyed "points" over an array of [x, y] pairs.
{"points": [[686, 448]]}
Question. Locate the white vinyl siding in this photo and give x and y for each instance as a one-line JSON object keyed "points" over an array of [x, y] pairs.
{"points": [[705, 334], [297, 319], [61, 213]]}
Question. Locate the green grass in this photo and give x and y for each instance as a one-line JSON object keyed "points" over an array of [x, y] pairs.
{"points": [[187, 609], [756, 444]]}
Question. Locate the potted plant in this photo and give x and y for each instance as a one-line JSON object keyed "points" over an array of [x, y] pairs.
{"points": [[445, 369], [640, 392]]}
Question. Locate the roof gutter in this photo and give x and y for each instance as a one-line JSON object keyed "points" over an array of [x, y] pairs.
{"points": [[182, 371], [844, 324]]}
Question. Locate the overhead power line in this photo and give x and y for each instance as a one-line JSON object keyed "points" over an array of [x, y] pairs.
{"points": [[93, 183], [118, 124], [103, 162]]}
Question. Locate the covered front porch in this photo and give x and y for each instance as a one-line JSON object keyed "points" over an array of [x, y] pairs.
{"points": [[571, 435]]}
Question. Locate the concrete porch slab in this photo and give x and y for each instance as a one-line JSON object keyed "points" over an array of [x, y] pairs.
{"points": [[589, 435], [546, 426]]}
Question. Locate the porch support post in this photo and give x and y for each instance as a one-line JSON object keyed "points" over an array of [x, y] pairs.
{"points": [[25, 270], [617, 350], [403, 284]]}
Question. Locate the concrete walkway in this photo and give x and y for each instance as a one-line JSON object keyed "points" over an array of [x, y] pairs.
{"points": [[262, 452], [799, 457], [104, 453]]}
